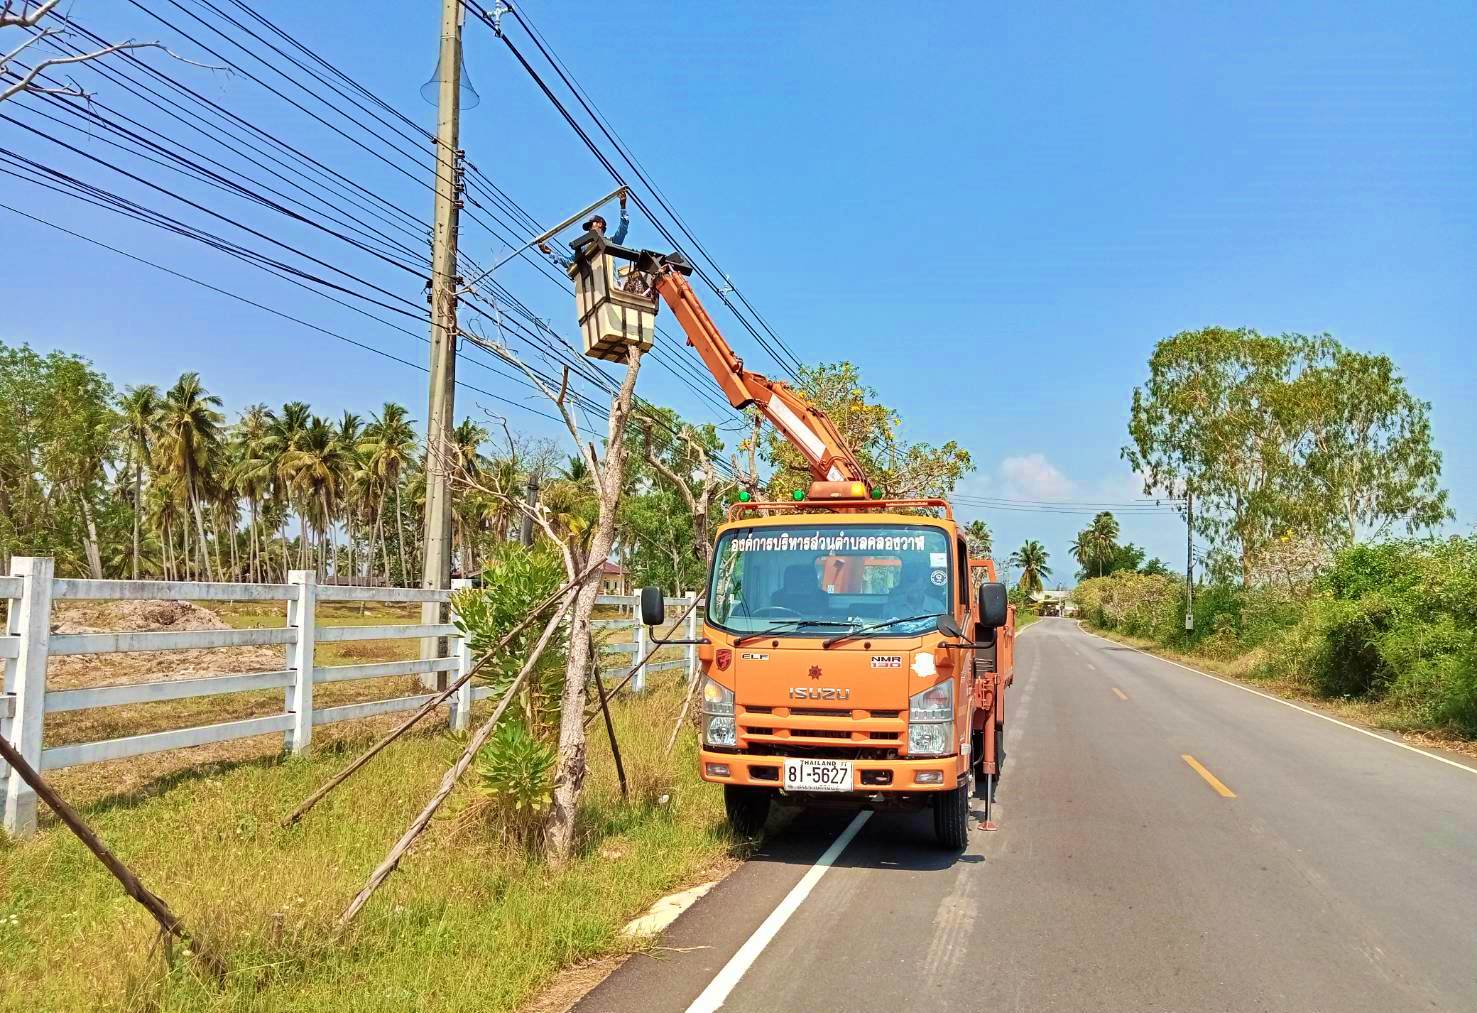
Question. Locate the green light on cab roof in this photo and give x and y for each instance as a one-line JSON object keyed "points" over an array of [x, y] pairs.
{"points": [[798, 495], [876, 493], [744, 496]]}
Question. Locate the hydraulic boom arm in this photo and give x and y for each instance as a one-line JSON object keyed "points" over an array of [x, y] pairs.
{"points": [[806, 426]]}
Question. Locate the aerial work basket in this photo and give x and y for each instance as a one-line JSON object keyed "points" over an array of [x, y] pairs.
{"points": [[611, 317]]}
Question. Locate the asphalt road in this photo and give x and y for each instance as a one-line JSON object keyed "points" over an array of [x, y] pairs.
{"points": [[1308, 868]]}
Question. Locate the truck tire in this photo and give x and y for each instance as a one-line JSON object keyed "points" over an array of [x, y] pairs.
{"points": [[748, 809], [951, 817]]}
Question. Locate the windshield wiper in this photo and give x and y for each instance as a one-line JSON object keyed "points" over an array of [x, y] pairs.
{"points": [[858, 631], [790, 624]]}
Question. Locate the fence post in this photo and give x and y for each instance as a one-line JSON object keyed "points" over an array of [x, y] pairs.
{"points": [[461, 704], [25, 684], [692, 648], [643, 644], [302, 615]]}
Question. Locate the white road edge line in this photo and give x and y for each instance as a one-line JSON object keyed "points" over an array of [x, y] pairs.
{"points": [[1288, 703], [716, 993]]}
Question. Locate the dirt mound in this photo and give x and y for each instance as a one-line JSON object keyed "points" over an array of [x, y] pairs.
{"points": [[132, 617], [140, 617]]}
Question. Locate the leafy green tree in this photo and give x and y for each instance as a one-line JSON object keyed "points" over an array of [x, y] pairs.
{"points": [[1367, 459], [1155, 568], [872, 430], [1282, 436], [57, 439]]}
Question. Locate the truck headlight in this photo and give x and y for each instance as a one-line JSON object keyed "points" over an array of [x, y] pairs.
{"points": [[931, 720], [719, 730], [717, 698], [929, 739], [719, 727]]}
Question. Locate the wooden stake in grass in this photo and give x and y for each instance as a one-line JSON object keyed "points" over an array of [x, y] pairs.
{"points": [[169, 924], [437, 701], [644, 659], [419, 824], [615, 749], [682, 714]]}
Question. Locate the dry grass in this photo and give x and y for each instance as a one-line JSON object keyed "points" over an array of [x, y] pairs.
{"points": [[466, 924]]}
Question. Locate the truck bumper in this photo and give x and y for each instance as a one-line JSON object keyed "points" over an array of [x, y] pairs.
{"points": [[867, 776]]}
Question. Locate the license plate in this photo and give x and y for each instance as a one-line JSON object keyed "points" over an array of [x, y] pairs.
{"points": [[818, 775]]}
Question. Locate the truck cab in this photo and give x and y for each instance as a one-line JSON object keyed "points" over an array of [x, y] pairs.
{"points": [[840, 665]]}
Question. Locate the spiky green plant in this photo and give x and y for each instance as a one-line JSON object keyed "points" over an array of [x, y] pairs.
{"points": [[515, 775]]}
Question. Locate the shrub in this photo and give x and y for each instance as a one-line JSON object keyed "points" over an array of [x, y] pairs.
{"points": [[515, 778], [516, 579]]}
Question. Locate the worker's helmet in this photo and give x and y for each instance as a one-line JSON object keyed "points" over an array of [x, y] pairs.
{"points": [[589, 225]]}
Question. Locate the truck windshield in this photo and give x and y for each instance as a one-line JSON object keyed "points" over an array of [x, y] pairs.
{"points": [[831, 577]]}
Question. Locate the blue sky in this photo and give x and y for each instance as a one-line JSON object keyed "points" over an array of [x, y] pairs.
{"points": [[995, 212]]}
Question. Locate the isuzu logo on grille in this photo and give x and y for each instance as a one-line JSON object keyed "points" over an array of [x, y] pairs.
{"points": [[820, 693]]}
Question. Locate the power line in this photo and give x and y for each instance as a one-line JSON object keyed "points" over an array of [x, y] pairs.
{"points": [[265, 308], [778, 355], [794, 364], [507, 205], [215, 179]]}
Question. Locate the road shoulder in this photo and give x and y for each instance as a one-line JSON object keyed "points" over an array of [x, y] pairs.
{"points": [[1453, 752]]}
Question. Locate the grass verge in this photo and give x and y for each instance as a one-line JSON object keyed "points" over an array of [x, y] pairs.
{"points": [[467, 922]]}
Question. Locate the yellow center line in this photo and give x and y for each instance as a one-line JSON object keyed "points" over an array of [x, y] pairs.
{"points": [[1121, 695], [1210, 778]]}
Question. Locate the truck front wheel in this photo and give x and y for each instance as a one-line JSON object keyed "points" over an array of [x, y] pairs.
{"points": [[748, 808], [951, 817]]}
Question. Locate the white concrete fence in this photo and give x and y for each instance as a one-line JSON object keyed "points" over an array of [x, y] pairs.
{"points": [[28, 642]]}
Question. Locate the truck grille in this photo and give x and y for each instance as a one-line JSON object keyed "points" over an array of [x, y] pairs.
{"points": [[819, 729]]}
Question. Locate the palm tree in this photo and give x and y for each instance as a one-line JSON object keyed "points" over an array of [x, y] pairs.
{"points": [[285, 436], [317, 469], [575, 470], [466, 447], [389, 451], [1031, 558], [251, 472], [350, 430], [140, 410], [1102, 535], [977, 535], [190, 441]]}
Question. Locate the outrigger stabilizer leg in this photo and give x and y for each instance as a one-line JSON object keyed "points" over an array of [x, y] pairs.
{"points": [[989, 796]]}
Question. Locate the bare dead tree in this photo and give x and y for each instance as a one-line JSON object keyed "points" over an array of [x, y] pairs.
{"points": [[709, 486], [607, 475], [432, 703], [452, 776], [747, 473], [29, 79]]}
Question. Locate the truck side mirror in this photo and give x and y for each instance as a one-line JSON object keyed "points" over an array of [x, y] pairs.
{"points": [[653, 606], [948, 627], [993, 604]]}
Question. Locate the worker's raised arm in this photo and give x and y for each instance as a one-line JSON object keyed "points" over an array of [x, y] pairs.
{"points": [[619, 235]]}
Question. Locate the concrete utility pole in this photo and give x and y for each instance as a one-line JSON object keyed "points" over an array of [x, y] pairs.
{"points": [[526, 533], [1189, 560], [444, 282]]}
